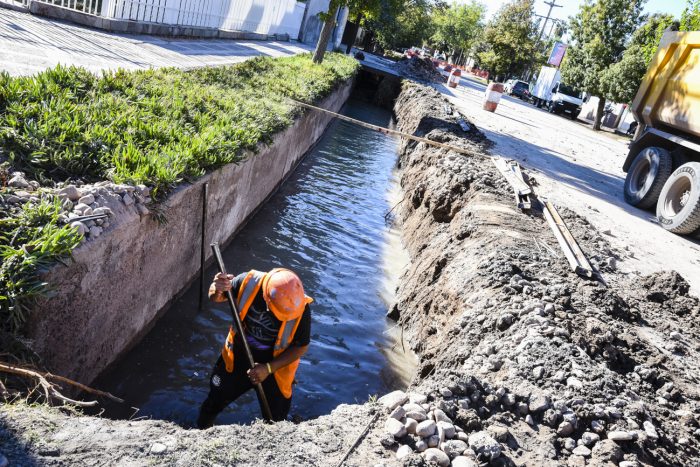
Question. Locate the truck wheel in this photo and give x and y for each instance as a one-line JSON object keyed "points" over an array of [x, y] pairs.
{"points": [[678, 208], [646, 176]]}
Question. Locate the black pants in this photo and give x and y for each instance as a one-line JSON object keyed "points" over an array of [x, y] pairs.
{"points": [[230, 386]]}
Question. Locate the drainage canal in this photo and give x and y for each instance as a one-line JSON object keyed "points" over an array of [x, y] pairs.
{"points": [[327, 222]]}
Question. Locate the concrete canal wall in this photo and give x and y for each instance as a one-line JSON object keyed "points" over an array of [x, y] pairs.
{"points": [[110, 294]]}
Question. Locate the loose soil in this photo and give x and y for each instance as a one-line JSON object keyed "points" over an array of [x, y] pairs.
{"points": [[558, 370]]}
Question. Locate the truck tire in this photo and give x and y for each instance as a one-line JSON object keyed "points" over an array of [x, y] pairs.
{"points": [[646, 176], [678, 208]]}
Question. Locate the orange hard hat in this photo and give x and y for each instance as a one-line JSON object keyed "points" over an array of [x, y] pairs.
{"points": [[284, 294]]}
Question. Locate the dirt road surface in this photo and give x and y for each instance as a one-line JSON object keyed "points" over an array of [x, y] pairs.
{"points": [[582, 170]]}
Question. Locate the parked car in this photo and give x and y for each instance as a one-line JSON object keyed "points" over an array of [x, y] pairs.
{"points": [[520, 89]]}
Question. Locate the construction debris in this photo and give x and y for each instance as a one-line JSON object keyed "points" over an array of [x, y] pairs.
{"points": [[511, 172], [577, 259]]}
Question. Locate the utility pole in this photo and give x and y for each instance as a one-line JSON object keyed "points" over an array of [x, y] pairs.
{"points": [[552, 4]]}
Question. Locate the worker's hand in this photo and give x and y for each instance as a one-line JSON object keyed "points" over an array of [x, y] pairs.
{"points": [[222, 282], [258, 373]]}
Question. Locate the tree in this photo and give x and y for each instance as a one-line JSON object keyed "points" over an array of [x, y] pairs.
{"points": [[403, 23], [690, 19], [509, 40], [328, 19], [621, 80], [599, 32], [457, 27]]}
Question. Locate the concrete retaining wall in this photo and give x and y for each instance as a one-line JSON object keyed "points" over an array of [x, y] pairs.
{"points": [[107, 298]]}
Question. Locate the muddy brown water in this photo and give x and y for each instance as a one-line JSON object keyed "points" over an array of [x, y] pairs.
{"points": [[327, 222]]}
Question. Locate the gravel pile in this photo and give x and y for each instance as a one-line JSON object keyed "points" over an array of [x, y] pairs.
{"points": [[90, 208], [421, 69]]}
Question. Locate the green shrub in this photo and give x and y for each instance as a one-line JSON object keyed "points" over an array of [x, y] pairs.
{"points": [[156, 127]]}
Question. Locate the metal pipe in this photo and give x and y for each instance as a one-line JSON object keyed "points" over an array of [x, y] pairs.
{"points": [[267, 414], [203, 253]]}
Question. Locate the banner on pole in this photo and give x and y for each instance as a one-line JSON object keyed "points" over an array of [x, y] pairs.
{"points": [[557, 54]]}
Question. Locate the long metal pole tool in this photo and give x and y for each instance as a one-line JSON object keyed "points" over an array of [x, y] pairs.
{"points": [[267, 414], [389, 131]]}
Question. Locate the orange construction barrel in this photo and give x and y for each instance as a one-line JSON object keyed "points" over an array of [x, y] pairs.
{"points": [[492, 96], [453, 80]]}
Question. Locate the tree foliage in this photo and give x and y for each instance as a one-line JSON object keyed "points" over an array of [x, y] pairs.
{"points": [[600, 31], [621, 80], [510, 39], [690, 19], [457, 27], [403, 23]]}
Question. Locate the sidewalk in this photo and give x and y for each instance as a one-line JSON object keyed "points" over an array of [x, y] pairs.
{"points": [[29, 44]]}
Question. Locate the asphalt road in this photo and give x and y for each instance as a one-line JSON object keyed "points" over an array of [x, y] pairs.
{"points": [[581, 169], [29, 44]]}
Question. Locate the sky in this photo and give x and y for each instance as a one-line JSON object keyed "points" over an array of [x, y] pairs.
{"points": [[570, 7]]}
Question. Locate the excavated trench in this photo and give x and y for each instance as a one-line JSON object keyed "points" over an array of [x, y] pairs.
{"points": [[329, 223]]}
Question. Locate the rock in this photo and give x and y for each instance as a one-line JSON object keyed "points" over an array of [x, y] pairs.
{"points": [[574, 383], [445, 392], [395, 428], [504, 321], [607, 450], [621, 435], [597, 426], [529, 420], [71, 192], [549, 308], [23, 194], [437, 456], [650, 430], [416, 398], [454, 448], [67, 205], [448, 428], [129, 200], [391, 400], [158, 448], [95, 231], [462, 436], [421, 445], [143, 190], [538, 372], [82, 209], [484, 445], [416, 412], [87, 199], [411, 425], [463, 461], [589, 439], [398, 413], [18, 181], [403, 451], [582, 451], [441, 416], [628, 464], [433, 441], [12, 199], [538, 403], [499, 432], [102, 210], [142, 210], [508, 399], [426, 428], [81, 228], [569, 444]]}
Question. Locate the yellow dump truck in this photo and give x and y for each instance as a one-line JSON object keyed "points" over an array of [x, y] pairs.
{"points": [[663, 164]]}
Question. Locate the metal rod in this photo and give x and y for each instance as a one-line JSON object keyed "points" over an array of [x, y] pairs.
{"points": [[203, 249], [389, 131], [267, 414]]}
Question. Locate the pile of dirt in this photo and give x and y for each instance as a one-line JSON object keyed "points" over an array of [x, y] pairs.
{"points": [[554, 368], [420, 69], [522, 362]]}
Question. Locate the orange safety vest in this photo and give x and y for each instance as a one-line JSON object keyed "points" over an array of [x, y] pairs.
{"points": [[249, 289]]}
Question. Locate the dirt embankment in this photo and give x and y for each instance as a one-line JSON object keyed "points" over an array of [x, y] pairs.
{"points": [[522, 362]]}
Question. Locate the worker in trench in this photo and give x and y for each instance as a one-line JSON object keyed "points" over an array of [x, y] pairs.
{"points": [[277, 325]]}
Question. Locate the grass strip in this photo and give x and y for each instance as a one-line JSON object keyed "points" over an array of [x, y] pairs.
{"points": [[156, 127]]}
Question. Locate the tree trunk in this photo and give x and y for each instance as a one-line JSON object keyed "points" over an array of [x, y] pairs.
{"points": [[325, 36], [599, 113], [353, 34]]}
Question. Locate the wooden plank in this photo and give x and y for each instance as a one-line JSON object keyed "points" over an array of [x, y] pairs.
{"points": [[577, 259]]}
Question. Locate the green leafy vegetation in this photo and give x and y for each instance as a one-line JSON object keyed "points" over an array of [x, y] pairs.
{"points": [[31, 239], [156, 127]]}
